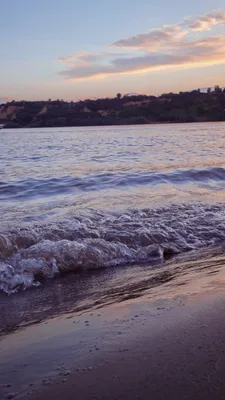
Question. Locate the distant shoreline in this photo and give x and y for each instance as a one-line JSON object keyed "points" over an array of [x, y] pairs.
{"points": [[184, 107], [115, 125]]}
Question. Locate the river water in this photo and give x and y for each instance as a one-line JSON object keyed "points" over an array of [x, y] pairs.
{"points": [[74, 200]]}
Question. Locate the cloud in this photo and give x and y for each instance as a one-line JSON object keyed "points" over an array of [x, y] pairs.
{"points": [[166, 47], [169, 34], [202, 52], [85, 57], [154, 39], [207, 21]]}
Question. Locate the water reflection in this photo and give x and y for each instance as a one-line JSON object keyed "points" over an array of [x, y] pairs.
{"points": [[194, 273]]}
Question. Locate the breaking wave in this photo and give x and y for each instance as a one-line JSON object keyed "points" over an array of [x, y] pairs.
{"points": [[99, 240]]}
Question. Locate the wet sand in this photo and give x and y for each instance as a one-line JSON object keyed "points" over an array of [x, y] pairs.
{"points": [[169, 348]]}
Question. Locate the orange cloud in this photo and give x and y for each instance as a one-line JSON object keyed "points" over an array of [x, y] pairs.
{"points": [[154, 39], [158, 49], [207, 21]]}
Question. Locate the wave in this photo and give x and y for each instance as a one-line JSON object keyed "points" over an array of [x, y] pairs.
{"points": [[24, 189], [99, 240]]}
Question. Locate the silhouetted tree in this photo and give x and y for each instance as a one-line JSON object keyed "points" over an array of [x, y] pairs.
{"points": [[217, 89]]}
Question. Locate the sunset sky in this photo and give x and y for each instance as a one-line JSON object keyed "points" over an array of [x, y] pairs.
{"points": [[76, 49]]}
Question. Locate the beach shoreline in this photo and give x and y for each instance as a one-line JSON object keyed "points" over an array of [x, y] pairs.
{"points": [[112, 274], [137, 349]]}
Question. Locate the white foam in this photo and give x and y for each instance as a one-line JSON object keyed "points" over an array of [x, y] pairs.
{"points": [[98, 240]]}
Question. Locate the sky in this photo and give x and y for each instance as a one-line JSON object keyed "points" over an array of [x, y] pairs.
{"points": [[76, 49]]}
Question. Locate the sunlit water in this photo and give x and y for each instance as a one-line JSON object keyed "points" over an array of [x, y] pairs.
{"points": [[78, 199]]}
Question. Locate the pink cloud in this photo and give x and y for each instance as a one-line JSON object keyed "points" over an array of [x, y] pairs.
{"points": [[166, 47], [207, 21], [154, 39]]}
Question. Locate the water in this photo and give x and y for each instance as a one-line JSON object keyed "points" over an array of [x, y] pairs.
{"points": [[82, 199]]}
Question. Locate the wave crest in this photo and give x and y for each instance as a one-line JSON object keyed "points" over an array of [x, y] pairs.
{"points": [[98, 240]]}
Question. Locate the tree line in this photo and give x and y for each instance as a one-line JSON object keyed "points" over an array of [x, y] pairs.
{"points": [[193, 106]]}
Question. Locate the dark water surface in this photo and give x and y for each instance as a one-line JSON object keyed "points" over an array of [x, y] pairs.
{"points": [[128, 198]]}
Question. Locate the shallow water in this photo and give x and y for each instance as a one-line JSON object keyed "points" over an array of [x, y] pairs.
{"points": [[77, 199]]}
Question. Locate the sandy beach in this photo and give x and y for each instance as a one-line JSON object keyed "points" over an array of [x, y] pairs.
{"points": [[136, 350]]}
